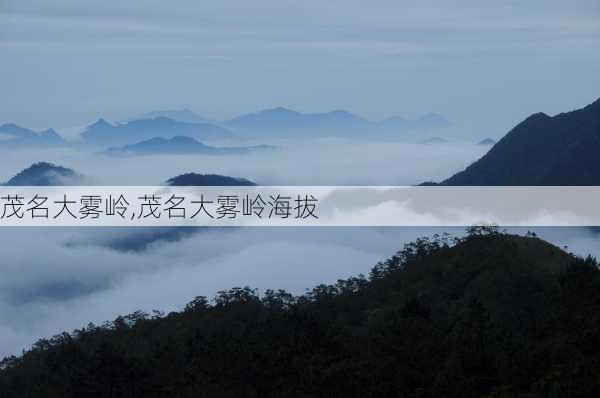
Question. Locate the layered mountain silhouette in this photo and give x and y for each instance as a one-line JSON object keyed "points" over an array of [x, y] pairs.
{"points": [[13, 136], [45, 174], [542, 150], [270, 123], [123, 239], [102, 133], [489, 315], [180, 145], [285, 123]]}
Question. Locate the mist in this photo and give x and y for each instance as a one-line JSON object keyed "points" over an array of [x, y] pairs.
{"points": [[58, 279], [316, 162]]}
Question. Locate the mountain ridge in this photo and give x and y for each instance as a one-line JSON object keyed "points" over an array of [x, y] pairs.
{"points": [[487, 315], [542, 150], [45, 174], [15, 136], [103, 133], [283, 121]]}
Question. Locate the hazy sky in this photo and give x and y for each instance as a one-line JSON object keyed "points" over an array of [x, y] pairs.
{"points": [[485, 64]]}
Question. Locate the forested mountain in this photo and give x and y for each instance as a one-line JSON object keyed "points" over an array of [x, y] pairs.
{"points": [[489, 315], [43, 174], [542, 150]]}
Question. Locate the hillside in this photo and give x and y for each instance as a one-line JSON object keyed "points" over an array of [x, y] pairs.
{"points": [[45, 174], [542, 150], [488, 315]]}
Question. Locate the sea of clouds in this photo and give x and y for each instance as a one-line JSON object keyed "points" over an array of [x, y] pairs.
{"points": [[59, 278]]}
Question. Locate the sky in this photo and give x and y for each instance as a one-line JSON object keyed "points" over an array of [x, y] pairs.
{"points": [[485, 65]]}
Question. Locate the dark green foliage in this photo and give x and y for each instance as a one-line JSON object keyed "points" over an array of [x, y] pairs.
{"points": [[491, 315]]}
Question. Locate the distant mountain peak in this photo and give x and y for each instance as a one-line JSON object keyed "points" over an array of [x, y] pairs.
{"points": [[281, 109], [282, 122], [487, 142], [344, 115], [20, 137], [537, 116], [100, 123], [45, 166], [10, 126], [184, 139], [196, 179], [50, 132], [278, 110], [103, 133]]}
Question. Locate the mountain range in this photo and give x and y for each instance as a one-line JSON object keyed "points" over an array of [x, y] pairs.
{"points": [[124, 239], [106, 134], [13, 136], [276, 123], [286, 123]]}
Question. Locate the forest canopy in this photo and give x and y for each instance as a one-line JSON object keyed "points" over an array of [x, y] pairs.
{"points": [[487, 315]]}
